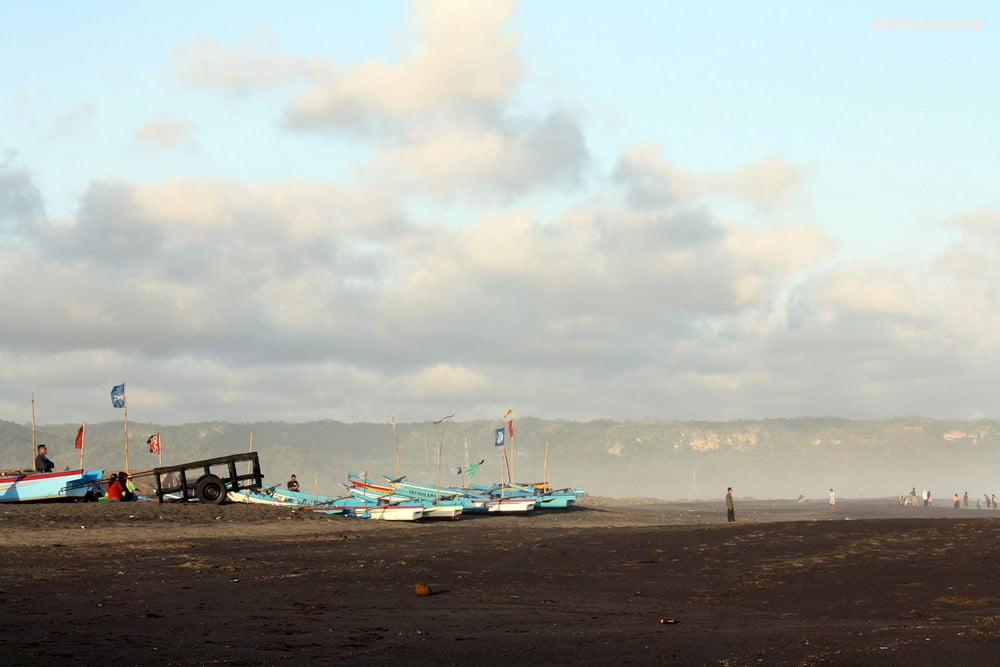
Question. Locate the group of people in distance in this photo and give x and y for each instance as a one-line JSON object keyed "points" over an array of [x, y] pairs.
{"points": [[731, 506]]}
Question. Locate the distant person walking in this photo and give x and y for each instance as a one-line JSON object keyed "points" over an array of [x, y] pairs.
{"points": [[730, 506], [965, 500], [957, 502], [833, 500]]}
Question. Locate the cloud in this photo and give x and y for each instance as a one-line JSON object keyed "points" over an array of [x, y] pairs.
{"points": [[650, 181], [253, 64], [79, 116], [20, 201], [164, 132], [464, 64]]}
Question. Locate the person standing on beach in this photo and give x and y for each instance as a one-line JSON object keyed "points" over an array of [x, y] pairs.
{"points": [[833, 500], [730, 506], [965, 500], [293, 484], [42, 462], [956, 501]]}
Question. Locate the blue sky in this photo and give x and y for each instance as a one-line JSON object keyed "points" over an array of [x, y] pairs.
{"points": [[703, 210]]}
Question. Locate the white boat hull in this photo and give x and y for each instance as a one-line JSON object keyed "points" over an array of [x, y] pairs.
{"points": [[505, 505], [395, 512]]}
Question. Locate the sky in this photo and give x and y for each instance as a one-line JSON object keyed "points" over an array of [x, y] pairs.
{"points": [[248, 211]]}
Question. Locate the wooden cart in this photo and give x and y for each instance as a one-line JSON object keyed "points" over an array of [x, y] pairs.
{"points": [[209, 480]]}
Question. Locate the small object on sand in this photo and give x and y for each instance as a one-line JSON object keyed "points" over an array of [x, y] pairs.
{"points": [[668, 620], [422, 589]]}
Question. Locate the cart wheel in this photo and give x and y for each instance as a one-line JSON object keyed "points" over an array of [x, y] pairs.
{"points": [[211, 490]]}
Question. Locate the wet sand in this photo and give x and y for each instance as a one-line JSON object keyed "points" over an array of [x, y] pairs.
{"points": [[607, 582]]}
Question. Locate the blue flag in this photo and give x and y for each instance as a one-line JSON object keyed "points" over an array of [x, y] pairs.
{"points": [[118, 395], [499, 437]]}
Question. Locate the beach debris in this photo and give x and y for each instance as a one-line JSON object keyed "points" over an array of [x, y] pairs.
{"points": [[422, 589], [668, 620]]}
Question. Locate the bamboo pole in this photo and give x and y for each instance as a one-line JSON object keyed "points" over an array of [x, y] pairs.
{"points": [[315, 486], [250, 463], [444, 428], [545, 466], [125, 418], [395, 443], [34, 447]]}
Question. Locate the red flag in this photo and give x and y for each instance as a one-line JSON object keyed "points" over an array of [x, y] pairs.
{"points": [[79, 438], [154, 443], [439, 421], [510, 427]]}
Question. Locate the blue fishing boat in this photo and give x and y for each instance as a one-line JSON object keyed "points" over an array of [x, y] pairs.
{"points": [[432, 510], [28, 486], [470, 501]]}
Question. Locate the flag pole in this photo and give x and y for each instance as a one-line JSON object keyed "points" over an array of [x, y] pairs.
{"points": [[34, 449], [160, 452], [250, 462], [125, 417], [83, 443]]}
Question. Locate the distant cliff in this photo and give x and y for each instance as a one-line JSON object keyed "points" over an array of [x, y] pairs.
{"points": [[667, 459]]}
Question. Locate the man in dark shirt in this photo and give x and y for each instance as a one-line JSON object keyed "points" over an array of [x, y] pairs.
{"points": [[293, 484], [42, 462]]}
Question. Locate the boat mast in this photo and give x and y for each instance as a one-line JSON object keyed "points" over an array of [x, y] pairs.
{"points": [[545, 466], [395, 443], [444, 427], [33, 447]]}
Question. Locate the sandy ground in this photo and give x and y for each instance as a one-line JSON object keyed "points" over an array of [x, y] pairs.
{"points": [[607, 582]]}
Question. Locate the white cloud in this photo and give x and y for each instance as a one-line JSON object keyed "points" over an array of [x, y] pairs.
{"points": [[651, 181], [165, 132], [252, 64], [78, 117]]}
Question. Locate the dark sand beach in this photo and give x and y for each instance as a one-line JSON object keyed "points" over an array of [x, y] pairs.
{"points": [[607, 582]]}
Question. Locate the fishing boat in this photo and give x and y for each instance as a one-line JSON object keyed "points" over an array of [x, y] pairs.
{"points": [[258, 497], [545, 498], [510, 504], [432, 510], [360, 508], [470, 502], [28, 486]]}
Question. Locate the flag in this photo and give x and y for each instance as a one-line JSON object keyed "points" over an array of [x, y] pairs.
{"points": [[498, 434], [118, 395], [508, 413], [474, 468], [154, 443], [510, 427], [79, 438], [443, 419]]}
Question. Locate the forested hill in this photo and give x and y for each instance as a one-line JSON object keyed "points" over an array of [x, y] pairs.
{"points": [[775, 458]]}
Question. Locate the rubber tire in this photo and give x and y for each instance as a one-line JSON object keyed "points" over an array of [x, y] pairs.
{"points": [[211, 490]]}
